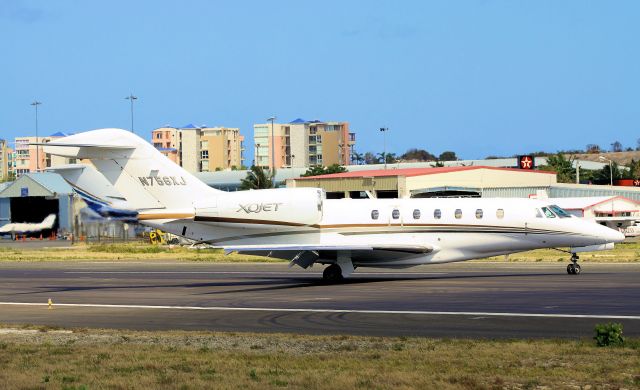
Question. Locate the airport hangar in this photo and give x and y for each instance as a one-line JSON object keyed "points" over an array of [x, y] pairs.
{"points": [[33, 196], [470, 181]]}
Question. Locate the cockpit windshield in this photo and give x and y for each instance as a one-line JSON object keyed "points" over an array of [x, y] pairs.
{"points": [[548, 213], [560, 211]]}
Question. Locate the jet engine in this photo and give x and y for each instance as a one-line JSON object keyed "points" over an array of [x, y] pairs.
{"points": [[281, 206]]}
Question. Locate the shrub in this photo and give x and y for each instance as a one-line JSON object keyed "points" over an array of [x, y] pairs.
{"points": [[609, 335]]}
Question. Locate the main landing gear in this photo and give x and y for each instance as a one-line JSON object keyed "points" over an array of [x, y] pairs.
{"points": [[574, 267], [342, 268], [332, 274]]}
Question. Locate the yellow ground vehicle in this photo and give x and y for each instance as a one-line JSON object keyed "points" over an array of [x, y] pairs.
{"points": [[157, 236]]}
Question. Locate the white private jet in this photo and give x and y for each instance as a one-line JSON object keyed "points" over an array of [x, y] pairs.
{"points": [[26, 227], [300, 225]]}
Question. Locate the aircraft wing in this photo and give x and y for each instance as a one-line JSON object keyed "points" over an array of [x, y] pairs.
{"points": [[329, 247], [305, 255]]}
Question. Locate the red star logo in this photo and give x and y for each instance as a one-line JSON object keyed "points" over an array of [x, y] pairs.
{"points": [[636, 183], [526, 162]]}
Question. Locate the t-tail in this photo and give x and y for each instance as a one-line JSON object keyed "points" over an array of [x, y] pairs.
{"points": [[134, 171]]}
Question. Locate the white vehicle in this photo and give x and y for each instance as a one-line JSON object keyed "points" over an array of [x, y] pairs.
{"points": [[25, 227], [300, 225]]}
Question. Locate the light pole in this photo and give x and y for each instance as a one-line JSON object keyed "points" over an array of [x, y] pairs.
{"points": [[384, 151], [603, 158], [131, 98], [257, 159], [36, 104], [273, 147]]}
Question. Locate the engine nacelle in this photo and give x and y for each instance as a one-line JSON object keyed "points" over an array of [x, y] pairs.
{"points": [[280, 206]]}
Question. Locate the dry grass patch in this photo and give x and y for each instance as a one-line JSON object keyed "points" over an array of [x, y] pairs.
{"points": [[626, 252], [127, 251], [194, 360]]}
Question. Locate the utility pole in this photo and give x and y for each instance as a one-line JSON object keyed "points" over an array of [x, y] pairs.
{"points": [[384, 152], [36, 104], [131, 98]]}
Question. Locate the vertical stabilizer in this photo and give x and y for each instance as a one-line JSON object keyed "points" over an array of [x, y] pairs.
{"points": [[145, 177]]}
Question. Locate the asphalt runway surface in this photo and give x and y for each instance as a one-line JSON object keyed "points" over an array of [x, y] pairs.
{"points": [[488, 300]]}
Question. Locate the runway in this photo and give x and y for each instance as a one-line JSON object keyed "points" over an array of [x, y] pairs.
{"points": [[490, 300]]}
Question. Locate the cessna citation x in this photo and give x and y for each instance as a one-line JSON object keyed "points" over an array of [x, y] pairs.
{"points": [[301, 226]]}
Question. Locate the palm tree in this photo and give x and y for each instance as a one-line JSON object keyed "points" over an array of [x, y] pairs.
{"points": [[257, 179], [389, 157], [357, 157]]}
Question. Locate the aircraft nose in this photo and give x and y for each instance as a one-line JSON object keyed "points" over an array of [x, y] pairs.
{"points": [[612, 235]]}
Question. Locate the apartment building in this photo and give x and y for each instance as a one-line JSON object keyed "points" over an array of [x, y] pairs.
{"points": [[6, 160], [301, 143], [201, 149], [32, 158]]}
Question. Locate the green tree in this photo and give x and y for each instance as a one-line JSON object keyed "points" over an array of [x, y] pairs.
{"points": [[369, 158], [318, 170], [390, 157], [603, 176], [257, 179], [563, 167], [358, 158], [418, 154], [448, 156], [634, 169]]}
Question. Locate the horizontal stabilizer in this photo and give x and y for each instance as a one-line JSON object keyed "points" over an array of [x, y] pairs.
{"points": [[61, 145]]}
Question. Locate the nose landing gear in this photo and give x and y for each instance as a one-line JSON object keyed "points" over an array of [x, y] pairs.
{"points": [[574, 267]]}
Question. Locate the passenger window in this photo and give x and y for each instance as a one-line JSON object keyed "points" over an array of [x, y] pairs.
{"points": [[437, 214], [500, 213], [548, 213], [395, 214], [416, 214], [375, 214], [479, 213], [458, 213], [538, 213]]}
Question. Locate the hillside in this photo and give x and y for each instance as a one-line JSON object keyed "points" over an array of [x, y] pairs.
{"points": [[622, 158]]}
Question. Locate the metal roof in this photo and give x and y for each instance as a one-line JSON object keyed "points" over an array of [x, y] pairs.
{"points": [[51, 181], [228, 179], [408, 172], [39, 184], [586, 202], [496, 162]]}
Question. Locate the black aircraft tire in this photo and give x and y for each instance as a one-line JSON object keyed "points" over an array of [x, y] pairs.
{"points": [[332, 274]]}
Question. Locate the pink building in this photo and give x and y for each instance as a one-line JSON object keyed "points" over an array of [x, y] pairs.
{"points": [[32, 158], [164, 139]]}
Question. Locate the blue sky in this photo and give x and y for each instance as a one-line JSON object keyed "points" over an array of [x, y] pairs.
{"points": [[477, 77]]}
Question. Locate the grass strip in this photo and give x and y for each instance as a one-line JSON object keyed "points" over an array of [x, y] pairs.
{"points": [[97, 359], [626, 252]]}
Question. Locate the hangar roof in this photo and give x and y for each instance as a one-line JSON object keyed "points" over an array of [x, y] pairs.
{"points": [[38, 184], [409, 172], [586, 202]]}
